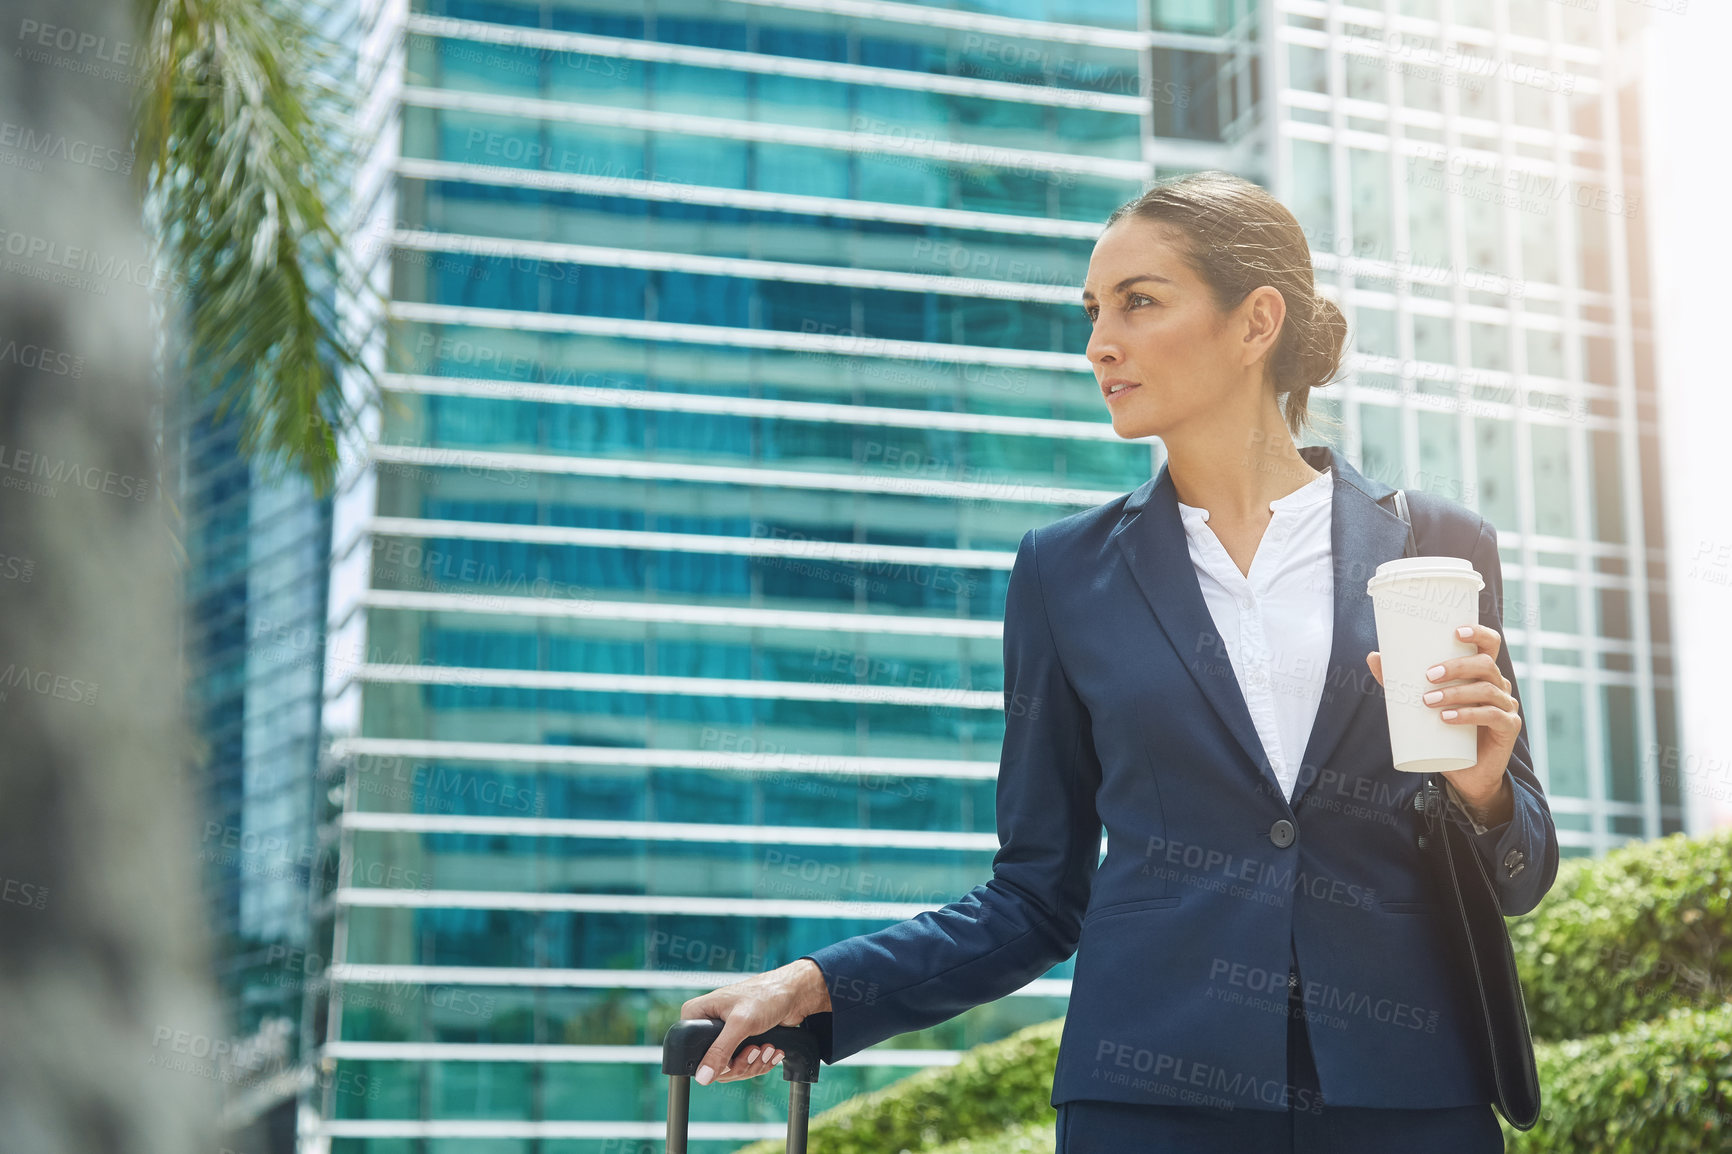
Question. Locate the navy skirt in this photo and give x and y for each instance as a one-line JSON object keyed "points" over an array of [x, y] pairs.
{"points": [[1087, 1127]]}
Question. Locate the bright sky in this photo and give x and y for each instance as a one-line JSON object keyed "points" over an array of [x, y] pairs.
{"points": [[1689, 184]]}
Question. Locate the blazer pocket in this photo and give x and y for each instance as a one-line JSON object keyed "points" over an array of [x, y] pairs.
{"points": [[1407, 907], [1132, 907]]}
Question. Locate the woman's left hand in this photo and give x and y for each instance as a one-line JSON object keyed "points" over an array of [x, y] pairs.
{"points": [[1483, 699]]}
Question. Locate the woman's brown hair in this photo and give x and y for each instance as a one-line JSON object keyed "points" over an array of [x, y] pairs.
{"points": [[1237, 237]]}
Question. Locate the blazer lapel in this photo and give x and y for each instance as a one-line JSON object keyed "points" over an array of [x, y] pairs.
{"points": [[1362, 535], [1151, 535]]}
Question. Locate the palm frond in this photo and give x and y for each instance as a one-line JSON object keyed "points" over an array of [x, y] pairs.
{"points": [[241, 145]]}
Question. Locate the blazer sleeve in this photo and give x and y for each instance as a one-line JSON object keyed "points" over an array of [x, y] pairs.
{"points": [[1015, 927], [1521, 854]]}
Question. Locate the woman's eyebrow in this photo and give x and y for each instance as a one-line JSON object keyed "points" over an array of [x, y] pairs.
{"points": [[1127, 282]]}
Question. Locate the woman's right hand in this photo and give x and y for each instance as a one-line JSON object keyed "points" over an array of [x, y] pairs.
{"points": [[781, 997]]}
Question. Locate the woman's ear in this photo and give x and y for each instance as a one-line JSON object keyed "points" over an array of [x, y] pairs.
{"points": [[1263, 310]]}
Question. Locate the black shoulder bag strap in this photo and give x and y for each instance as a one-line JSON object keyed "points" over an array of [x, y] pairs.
{"points": [[1477, 934]]}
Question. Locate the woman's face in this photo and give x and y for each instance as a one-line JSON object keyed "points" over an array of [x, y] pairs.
{"points": [[1156, 324]]}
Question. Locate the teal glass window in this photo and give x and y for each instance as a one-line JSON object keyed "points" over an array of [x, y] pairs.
{"points": [[1483, 220], [1545, 352], [1607, 505], [1494, 447], [1368, 174], [1489, 344], [1440, 456], [1313, 196], [1376, 331], [1558, 609], [1619, 705], [1566, 746], [1433, 339], [1380, 443], [1554, 511], [1308, 68]]}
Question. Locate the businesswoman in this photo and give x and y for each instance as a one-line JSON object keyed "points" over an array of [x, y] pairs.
{"points": [[1260, 965]]}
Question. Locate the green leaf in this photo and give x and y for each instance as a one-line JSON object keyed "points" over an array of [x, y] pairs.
{"points": [[240, 146]]}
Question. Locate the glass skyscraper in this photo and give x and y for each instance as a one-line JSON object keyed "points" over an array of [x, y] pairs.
{"points": [[257, 559], [732, 347]]}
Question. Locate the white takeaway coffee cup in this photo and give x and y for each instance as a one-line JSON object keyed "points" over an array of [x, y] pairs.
{"points": [[1419, 602]]}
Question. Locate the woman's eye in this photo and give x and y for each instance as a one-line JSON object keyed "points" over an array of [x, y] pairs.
{"points": [[1090, 313]]}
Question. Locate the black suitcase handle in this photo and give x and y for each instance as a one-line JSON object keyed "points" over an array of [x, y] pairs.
{"points": [[684, 1046]]}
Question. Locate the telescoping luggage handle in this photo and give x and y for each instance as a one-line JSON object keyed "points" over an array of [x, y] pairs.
{"points": [[683, 1050]]}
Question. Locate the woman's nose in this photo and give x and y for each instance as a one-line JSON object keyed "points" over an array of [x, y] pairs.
{"points": [[1102, 347], [1103, 344]]}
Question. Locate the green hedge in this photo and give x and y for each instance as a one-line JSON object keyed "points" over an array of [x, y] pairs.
{"points": [[1032, 1138], [1001, 1084], [1660, 1087], [1629, 936]]}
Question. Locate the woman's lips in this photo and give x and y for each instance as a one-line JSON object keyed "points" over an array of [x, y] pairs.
{"points": [[1112, 395]]}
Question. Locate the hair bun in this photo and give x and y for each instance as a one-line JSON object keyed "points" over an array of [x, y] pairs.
{"points": [[1322, 345]]}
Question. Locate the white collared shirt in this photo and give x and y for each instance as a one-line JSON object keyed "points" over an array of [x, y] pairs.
{"points": [[1276, 624]]}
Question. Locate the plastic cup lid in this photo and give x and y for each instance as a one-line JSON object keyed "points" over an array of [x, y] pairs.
{"points": [[1425, 568]]}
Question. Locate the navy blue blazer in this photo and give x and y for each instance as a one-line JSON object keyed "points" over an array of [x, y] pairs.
{"points": [[1123, 712]]}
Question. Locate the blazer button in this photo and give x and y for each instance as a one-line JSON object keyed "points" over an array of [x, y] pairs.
{"points": [[1512, 861], [1281, 833]]}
